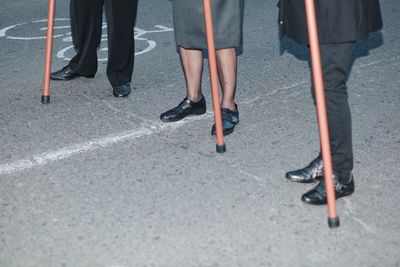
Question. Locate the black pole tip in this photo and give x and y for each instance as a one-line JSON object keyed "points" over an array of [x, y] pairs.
{"points": [[45, 99], [333, 222], [221, 148]]}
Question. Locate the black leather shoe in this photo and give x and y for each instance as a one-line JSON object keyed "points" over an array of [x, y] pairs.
{"points": [[185, 108], [66, 74], [317, 195], [122, 90], [229, 120], [313, 172]]}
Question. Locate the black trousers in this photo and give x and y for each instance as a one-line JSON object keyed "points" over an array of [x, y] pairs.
{"points": [[86, 25], [336, 64]]}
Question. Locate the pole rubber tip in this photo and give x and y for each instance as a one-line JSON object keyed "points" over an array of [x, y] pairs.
{"points": [[45, 99], [221, 148], [333, 222]]}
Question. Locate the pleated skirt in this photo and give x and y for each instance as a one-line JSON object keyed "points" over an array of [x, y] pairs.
{"points": [[190, 26]]}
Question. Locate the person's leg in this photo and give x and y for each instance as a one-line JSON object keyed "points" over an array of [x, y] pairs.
{"points": [[192, 65], [227, 68], [336, 64], [194, 103], [121, 15], [86, 26]]}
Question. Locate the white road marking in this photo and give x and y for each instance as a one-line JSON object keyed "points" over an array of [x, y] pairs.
{"points": [[255, 177], [361, 66], [66, 152], [150, 127], [4, 31], [40, 32], [349, 212], [69, 151]]}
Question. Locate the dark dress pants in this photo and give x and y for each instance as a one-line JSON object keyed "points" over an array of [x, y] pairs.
{"points": [[336, 64], [86, 26]]}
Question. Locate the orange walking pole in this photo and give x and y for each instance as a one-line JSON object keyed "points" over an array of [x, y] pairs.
{"points": [[333, 219], [212, 61], [48, 53]]}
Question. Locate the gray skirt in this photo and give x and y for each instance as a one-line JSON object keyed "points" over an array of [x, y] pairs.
{"points": [[190, 26]]}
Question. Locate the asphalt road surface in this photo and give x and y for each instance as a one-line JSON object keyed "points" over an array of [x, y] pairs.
{"points": [[94, 181]]}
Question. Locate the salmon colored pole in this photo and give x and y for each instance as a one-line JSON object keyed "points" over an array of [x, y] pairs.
{"points": [[48, 53], [212, 60], [333, 219]]}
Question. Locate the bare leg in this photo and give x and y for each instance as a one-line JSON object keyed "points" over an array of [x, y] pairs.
{"points": [[192, 63], [194, 103], [227, 68]]}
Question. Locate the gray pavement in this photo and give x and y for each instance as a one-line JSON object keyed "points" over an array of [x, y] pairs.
{"points": [[90, 180]]}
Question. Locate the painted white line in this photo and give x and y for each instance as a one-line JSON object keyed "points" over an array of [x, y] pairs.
{"points": [[45, 20], [349, 212], [255, 177], [4, 31], [66, 152], [360, 67]]}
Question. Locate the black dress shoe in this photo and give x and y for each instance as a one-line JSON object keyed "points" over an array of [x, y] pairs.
{"points": [[122, 90], [313, 172], [185, 108], [317, 195], [66, 74], [229, 120]]}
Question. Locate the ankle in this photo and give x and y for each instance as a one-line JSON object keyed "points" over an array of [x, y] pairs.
{"points": [[231, 106], [195, 98]]}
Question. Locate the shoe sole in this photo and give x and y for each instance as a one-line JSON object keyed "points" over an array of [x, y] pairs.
{"points": [[316, 179], [62, 79], [227, 132], [69, 79], [194, 113], [119, 95], [325, 202]]}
